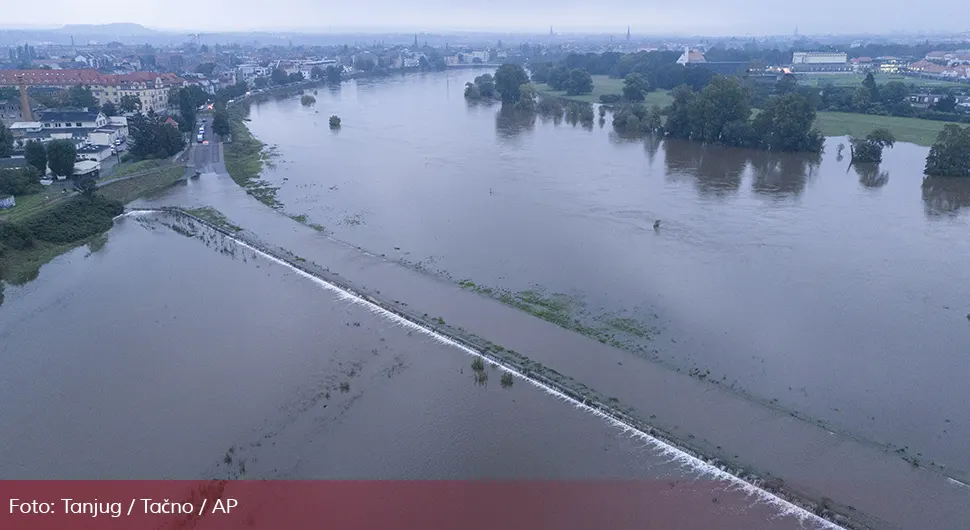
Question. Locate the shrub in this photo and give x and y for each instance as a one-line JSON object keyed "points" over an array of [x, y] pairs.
{"points": [[75, 220], [15, 236]]}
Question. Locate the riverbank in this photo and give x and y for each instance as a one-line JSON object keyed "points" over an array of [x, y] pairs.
{"points": [[245, 157], [52, 237]]}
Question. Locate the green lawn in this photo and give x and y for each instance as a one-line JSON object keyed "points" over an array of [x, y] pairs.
{"points": [[602, 84], [28, 205], [128, 169], [854, 79], [914, 130], [128, 190]]}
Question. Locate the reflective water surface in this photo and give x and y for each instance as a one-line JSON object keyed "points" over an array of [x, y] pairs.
{"points": [[838, 292], [166, 356]]}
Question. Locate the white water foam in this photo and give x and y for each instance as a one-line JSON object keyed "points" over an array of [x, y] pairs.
{"points": [[696, 465]]}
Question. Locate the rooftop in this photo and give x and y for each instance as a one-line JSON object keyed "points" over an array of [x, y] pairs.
{"points": [[68, 116]]}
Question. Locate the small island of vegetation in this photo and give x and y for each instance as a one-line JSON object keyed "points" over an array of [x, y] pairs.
{"points": [[307, 100], [950, 154]]}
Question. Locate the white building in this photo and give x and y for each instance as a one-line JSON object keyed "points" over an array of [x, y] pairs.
{"points": [[820, 62], [72, 119]]}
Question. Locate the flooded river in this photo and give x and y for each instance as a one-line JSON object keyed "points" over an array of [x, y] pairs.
{"points": [[790, 316], [172, 352], [839, 294]]}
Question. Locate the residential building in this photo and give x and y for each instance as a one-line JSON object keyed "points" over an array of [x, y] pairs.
{"points": [[72, 119], [926, 67], [49, 78], [691, 57], [93, 152], [11, 111], [150, 88]]}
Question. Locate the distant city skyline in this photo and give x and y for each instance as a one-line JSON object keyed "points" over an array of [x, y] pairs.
{"points": [[700, 17]]}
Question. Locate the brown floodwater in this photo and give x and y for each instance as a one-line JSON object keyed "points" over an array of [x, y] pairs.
{"points": [[173, 352], [841, 293], [815, 294]]}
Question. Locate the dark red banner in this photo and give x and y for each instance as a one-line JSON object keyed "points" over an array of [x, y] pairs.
{"points": [[385, 505]]}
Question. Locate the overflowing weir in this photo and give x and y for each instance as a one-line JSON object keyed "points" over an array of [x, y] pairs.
{"points": [[681, 457]]}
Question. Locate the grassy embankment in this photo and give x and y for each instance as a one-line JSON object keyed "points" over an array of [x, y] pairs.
{"points": [[245, 158], [244, 161], [135, 167], [57, 223]]}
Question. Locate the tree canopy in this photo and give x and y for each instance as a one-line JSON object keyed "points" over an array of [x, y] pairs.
{"points": [[482, 87], [635, 87], [869, 149], [220, 121], [6, 142], [187, 110], [950, 154], [80, 96], [19, 181], [720, 113], [509, 79], [130, 103], [578, 82], [36, 155], [153, 136], [60, 157], [109, 109]]}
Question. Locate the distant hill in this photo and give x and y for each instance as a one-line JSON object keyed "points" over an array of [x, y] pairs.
{"points": [[118, 28]]}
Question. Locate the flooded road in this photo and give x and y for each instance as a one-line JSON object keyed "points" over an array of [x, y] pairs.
{"points": [[837, 293], [208, 359]]}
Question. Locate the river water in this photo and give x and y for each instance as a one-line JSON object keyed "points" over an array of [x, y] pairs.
{"points": [[838, 293], [173, 352], [785, 285]]}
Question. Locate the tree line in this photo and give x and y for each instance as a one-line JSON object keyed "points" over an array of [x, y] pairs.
{"points": [[721, 113]]}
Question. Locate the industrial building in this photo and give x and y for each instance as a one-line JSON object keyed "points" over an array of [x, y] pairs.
{"points": [[820, 62]]}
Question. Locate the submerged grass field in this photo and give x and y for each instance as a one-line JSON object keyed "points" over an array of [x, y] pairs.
{"points": [[602, 85], [913, 130]]}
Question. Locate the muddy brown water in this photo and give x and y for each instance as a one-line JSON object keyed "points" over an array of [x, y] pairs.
{"points": [[836, 294], [166, 356], [839, 293]]}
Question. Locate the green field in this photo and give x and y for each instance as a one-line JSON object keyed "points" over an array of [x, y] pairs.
{"points": [[135, 167], [602, 85], [914, 130], [854, 79]]}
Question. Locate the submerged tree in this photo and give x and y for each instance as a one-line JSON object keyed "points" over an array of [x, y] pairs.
{"points": [[869, 149], [509, 79], [334, 122], [950, 154]]}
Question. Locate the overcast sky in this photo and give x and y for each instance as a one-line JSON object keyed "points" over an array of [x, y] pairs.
{"points": [[709, 17]]}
